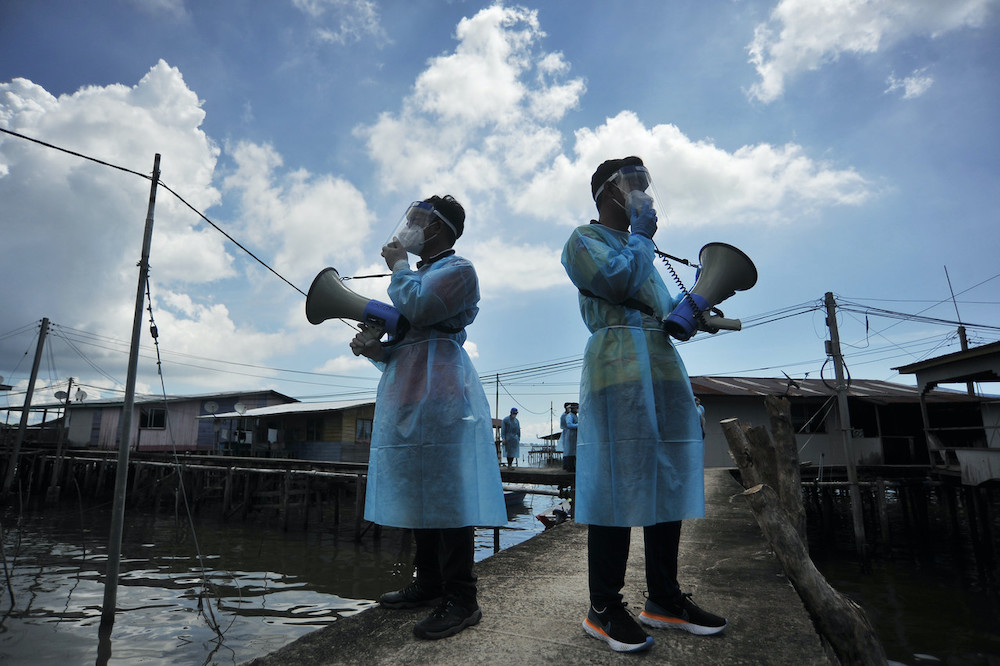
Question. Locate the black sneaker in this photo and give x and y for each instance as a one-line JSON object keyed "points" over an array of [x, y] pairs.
{"points": [[411, 596], [449, 618], [683, 614], [615, 626]]}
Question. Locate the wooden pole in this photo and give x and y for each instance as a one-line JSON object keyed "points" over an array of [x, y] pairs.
{"points": [[52, 495], [844, 418], [121, 473], [15, 454]]}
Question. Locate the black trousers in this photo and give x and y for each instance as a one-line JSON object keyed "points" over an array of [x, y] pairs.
{"points": [[607, 555], [444, 560]]}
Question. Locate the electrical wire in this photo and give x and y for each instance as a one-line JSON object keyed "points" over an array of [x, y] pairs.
{"points": [[164, 186], [179, 466]]}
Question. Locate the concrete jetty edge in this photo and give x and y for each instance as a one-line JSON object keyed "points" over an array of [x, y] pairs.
{"points": [[534, 599]]}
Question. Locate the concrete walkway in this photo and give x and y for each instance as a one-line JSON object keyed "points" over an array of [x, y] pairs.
{"points": [[534, 599]]}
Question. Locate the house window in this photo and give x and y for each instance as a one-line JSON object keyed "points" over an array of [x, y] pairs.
{"points": [[363, 430], [809, 417], [153, 418], [314, 430]]}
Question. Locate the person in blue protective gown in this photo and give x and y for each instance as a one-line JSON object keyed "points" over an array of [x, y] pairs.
{"points": [[510, 434], [639, 445], [433, 465], [569, 422]]}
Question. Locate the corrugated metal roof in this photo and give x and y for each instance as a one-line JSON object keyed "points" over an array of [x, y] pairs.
{"points": [[867, 389], [293, 408]]}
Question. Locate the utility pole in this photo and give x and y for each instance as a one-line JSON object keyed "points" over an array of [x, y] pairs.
{"points": [[844, 418], [15, 454], [970, 388], [121, 474], [52, 495]]}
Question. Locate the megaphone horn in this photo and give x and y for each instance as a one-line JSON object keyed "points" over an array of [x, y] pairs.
{"points": [[724, 271], [329, 298]]}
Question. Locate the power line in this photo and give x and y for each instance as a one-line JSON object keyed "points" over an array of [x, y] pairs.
{"points": [[164, 186]]}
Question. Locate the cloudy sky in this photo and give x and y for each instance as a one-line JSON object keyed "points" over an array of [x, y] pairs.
{"points": [[848, 146]]}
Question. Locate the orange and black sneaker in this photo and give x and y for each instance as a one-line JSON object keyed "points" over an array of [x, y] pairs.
{"points": [[615, 626], [683, 614]]}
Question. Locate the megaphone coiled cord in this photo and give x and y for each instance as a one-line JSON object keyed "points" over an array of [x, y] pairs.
{"points": [[665, 258]]}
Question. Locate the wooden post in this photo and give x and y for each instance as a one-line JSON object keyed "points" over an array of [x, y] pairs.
{"points": [[788, 475], [883, 511], [305, 506], [227, 493], [844, 419], [247, 494], [359, 505], [842, 622], [15, 454], [285, 491]]}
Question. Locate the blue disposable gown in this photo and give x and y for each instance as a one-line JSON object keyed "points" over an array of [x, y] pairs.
{"points": [[510, 433], [640, 454], [433, 462], [568, 422]]}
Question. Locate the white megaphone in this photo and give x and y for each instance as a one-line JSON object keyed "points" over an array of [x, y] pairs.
{"points": [[329, 299], [724, 271]]}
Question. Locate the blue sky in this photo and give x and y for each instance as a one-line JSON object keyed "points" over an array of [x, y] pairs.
{"points": [[846, 146]]}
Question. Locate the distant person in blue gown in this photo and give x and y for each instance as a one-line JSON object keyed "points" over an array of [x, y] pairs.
{"points": [[569, 423], [510, 433], [433, 464]]}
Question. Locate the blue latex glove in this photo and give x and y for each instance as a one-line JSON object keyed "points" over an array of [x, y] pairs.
{"points": [[641, 213]]}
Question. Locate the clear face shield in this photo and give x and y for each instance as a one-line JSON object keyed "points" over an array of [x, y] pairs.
{"points": [[632, 189], [411, 231]]}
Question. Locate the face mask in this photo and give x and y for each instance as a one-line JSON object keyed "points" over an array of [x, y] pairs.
{"points": [[412, 227], [411, 238]]}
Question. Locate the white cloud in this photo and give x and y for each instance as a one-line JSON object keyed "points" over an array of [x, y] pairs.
{"points": [[804, 35], [475, 107], [504, 267], [311, 221], [174, 8], [698, 182], [500, 151], [349, 22], [72, 229], [912, 86]]}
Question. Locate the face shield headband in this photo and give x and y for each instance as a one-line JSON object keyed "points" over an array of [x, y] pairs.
{"points": [[411, 229], [627, 179]]}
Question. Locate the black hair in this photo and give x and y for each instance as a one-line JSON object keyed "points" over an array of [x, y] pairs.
{"points": [[607, 169], [451, 209]]}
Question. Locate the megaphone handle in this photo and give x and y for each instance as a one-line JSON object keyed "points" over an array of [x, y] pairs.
{"points": [[710, 322]]}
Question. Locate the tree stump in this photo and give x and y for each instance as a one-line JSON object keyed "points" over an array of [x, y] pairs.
{"points": [[840, 621]]}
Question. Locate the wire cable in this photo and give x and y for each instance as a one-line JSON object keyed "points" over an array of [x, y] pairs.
{"points": [[164, 186]]}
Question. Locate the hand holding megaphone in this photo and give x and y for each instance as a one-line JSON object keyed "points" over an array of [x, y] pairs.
{"points": [[328, 298], [724, 271], [368, 343]]}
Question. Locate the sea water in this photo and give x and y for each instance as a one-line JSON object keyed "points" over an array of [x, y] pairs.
{"points": [[215, 593]]}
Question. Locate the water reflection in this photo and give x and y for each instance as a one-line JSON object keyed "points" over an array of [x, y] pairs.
{"points": [[255, 589]]}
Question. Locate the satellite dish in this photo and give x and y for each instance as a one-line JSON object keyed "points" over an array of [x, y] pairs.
{"points": [[61, 395], [240, 408], [211, 407]]}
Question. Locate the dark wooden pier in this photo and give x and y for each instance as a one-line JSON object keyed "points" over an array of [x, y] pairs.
{"points": [[292, 492]]}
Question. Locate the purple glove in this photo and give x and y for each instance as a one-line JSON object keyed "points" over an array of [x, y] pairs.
{"points": [[641, 213]]}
